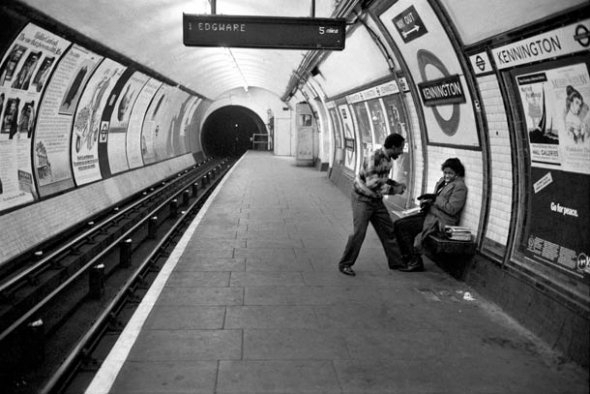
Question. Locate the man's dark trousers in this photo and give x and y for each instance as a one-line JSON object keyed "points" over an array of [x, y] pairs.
{"points": [[367, 210]]}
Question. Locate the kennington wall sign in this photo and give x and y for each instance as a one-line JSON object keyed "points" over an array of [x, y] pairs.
{"points": [[442, 91], [263, 32]]}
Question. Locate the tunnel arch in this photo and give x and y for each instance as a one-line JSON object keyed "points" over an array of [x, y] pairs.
{"points": [[228, 131]]}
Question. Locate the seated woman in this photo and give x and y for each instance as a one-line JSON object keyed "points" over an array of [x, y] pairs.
{"points": [[441, 208]]}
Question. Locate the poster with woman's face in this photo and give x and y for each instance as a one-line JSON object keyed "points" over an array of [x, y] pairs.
{"points": [[555, 109]]}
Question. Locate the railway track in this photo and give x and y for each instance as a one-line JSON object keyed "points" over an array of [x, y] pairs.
{"points": [[63, 305]]}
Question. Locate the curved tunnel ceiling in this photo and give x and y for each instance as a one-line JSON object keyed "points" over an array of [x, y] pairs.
{"points": [[149, 32]]}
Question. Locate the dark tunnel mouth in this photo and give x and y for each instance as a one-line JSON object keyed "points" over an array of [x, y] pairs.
{"points": [[228, 131]]}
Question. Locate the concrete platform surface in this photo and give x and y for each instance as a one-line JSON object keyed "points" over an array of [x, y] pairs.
{"points": [[253, 303]]}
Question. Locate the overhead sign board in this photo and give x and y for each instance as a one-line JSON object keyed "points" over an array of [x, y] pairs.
{"points": [[558, 42], [263, 32]]}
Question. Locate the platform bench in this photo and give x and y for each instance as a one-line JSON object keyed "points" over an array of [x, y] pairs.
{"points": [[451, 255]]}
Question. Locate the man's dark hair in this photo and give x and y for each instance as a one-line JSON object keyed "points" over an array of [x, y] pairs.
{"points": [[455, 165], [394, 140]]}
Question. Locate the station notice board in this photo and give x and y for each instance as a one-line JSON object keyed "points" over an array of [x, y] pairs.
{"points": [[263, 32]]}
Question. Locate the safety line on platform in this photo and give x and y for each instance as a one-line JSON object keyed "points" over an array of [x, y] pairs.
{"points": [[110, 368]]}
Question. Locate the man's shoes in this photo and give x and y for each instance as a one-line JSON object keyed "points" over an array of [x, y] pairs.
{"points": [[346, 270], [415, 265], [396, 266]]}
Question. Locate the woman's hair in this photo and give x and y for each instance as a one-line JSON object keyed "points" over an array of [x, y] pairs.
{"points": [[571, 94], [455, 165]]}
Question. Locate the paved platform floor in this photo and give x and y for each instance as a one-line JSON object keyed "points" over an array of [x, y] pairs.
{"points": [[254, 303]]}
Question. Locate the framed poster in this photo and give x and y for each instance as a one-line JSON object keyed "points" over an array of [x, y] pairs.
{"points": [[24, 72], [551, 99], [350, 154]]}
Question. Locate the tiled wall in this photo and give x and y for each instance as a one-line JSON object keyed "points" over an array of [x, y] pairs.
{"points": [[501, 164], [417, 148]]}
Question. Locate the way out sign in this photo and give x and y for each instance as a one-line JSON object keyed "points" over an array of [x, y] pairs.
{"points": [[409, 25]]}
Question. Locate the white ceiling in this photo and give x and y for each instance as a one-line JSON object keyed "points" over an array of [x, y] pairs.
{"points": [[150, 33]]}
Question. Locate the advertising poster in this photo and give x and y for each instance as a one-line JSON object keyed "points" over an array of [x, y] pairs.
{"points": [[555, 107], [397, 122], [155, 131], [119, 122], [350, 140], [553, 104], [179, 101], [24, 71], [136, 144], [436, 71], [362, 124], [378, 121], [88, 119], [185, 125], [51, 141], [559, 201], [337, 128]]}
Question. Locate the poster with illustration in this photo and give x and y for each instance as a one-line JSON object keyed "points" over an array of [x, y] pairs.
{"points": [[119, 122], [350, 156], [155, 129], [51, 157], [554, 103], [136, 145], [87, 122], [24, 71]]}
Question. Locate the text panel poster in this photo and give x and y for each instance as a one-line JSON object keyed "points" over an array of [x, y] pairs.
{"points": [[24, 71], [560, 201]]}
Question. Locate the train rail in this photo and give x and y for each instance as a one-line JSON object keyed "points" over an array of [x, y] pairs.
{"points": [[60, 301]]}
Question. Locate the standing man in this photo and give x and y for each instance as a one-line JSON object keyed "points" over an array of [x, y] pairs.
{"points": [[370, 185]]}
